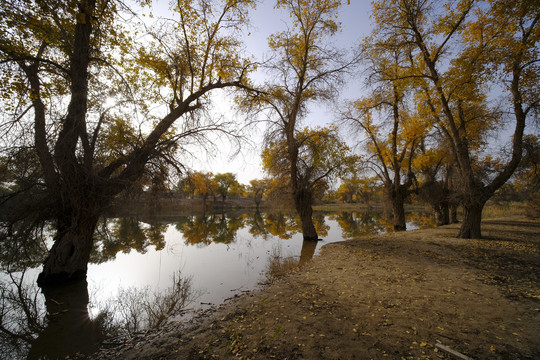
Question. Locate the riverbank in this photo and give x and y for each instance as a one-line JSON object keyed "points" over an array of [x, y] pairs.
{"points": [[413, 295]]}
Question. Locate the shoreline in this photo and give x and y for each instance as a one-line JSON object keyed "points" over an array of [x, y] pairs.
{"points": [[406, 295]]}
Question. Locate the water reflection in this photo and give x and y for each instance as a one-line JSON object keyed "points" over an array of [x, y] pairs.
{"points": [[67, 314], [143, 273], [37, 325], [205, 230], [22, 316], [307, 252], [356, 224], [55, 322], [125, 235]]}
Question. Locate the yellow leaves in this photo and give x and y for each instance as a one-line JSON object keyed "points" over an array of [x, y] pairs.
{"points": [[320, 153], [118, 138], [312, 21], [203, 183]]}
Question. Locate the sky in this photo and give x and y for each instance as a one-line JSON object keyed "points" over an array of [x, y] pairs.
{"points": [[265, 20]]}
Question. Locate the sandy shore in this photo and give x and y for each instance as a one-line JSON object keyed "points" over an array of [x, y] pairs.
{"points": [[416, 295]]}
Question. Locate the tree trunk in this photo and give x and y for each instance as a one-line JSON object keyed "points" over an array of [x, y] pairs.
{"points": [[398, 212], [445, 209], [453, 213], [70, 253], [442, 213], [439, 216], [472, 219], [303, 200]]}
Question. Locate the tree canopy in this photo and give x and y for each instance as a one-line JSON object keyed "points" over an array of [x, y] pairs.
{"points": [[63, 62]]}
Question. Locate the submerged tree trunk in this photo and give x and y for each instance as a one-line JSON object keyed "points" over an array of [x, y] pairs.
{"points": [[70, 253], [303, 200], [399, 212]]}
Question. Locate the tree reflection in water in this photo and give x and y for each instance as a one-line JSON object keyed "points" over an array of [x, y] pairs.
{"points": [[124, 235], [355, 224], [22, 316], [285, 227], [69, 328], [207, 229], [51, 326], [56, 322]]}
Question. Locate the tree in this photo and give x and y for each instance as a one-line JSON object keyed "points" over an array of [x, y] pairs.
{"points": [[257, 190], [393, 130], [347, 191], [306, 69], [61, 61], [436, 182], [368, 189], [203, 184], [492, 44], [392, 127], [354, 189], [392, 154], [320, 155], [225, 182], [527, 176]]}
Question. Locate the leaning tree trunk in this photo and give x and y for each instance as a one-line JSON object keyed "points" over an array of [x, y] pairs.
{"points": [[70, 253], [303, 200]]}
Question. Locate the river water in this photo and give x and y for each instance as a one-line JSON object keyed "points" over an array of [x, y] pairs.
{"points": [[145, 271]]}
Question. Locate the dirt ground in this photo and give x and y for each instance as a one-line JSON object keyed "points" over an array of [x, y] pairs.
{"points": [[397, 296]]}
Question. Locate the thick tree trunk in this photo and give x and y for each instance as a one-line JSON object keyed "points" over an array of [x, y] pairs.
{"points": [[398, 210], [303, 200], [472, 219], [70, 253]]}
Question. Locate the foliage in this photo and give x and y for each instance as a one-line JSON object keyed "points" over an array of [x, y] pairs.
{"points": [[225, 182], [203, 184], [321, 155], [457, 52], [257, 189], [354, 189], [103, 100]]}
